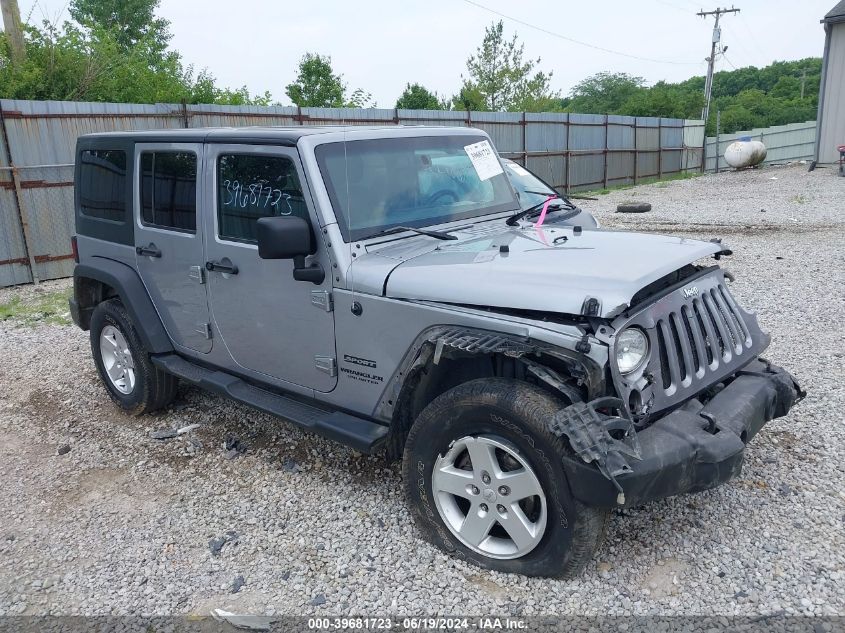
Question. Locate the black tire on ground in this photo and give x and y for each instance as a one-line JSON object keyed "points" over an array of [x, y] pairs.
{"points": [[633, 207], [153, 388], [517, 413]]}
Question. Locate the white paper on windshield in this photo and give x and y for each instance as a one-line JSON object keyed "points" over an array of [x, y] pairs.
{"points": [[484, 160], [519, 169]]}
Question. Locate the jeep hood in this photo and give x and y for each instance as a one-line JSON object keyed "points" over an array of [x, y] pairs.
{"points": [[551, 269]]}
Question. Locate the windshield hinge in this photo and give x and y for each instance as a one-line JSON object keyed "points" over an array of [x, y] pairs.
{"points": [[322, 299], [197, 273], [326, 364]]}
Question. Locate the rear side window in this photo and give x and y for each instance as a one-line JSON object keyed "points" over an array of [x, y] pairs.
{"points": [[252, 186], [102, 184], [169, 190]]}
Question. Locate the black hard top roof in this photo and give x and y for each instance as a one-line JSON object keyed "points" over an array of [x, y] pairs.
{"points": [[248, 135]]}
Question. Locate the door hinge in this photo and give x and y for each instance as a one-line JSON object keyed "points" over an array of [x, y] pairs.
{"points": [[326, 364], [204, 329], [197, 273], [322, 299]]}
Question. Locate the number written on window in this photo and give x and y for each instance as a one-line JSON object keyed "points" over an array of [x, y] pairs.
{"points": [[252, 186]]}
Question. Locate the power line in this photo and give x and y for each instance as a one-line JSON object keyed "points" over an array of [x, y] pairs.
{"points": [[673, 6], [753, 38], [737, 40], [579, 42]]}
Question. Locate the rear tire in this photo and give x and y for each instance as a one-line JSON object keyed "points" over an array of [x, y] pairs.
{"points": [[132, 381], [556, 535]]}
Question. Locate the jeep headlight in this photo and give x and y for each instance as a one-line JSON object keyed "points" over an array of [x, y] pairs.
{"points": [[631, 350]]}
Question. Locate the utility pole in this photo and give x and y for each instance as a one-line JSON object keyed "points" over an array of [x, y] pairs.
{"points": [[717, 36], [12, 26], [803, 81]]}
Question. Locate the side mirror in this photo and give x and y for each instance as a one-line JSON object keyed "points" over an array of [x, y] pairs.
{"points": [[289, 237], [283, 237]]}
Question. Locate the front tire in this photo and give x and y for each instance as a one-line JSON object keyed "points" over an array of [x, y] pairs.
{"points": [[132, 381], [485, 481]]}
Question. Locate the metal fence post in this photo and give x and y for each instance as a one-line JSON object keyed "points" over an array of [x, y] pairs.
{"points": [[23, 215], [568, 155], [660, 148], [636, 153], [19, 202], [606, 143], [524, 141], [718, 134]]}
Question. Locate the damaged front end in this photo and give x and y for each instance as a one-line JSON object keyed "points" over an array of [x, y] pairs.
{"points": [[680, 420], [695, 447]]}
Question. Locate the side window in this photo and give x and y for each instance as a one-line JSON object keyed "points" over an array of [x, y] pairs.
{"points": [[169, 190], [252, 186], [102, 184]]}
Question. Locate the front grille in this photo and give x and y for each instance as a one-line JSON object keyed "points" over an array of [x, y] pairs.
{"points": [[699, 336]]}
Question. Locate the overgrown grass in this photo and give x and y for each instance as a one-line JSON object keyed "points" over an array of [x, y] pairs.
{"points": [[659, 182], [49, 308]]}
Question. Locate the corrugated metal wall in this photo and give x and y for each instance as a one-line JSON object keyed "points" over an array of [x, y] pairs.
{"points": [[784, 143], [833, 109], [570, 151]]}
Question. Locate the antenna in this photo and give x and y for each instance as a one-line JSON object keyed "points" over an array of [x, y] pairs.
{"points": [[356, 307]]}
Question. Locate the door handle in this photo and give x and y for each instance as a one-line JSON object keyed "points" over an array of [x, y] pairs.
{"points": [[150, 250], [220, 267]]}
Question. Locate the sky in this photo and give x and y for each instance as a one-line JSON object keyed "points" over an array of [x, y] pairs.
{"points": [[380, 45]]}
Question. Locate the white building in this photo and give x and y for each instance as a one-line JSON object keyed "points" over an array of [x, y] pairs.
{"points": [[830, 132]]}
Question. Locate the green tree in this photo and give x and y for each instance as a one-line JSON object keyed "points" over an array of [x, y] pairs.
{"points": [[360, 98], [316, 84], [470, 98], [417, 97], [604, 93], [130, 22], [499, 73], [69, 62]]}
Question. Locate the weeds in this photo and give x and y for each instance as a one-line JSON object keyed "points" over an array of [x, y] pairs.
{"points": [[49, 308], [661, 183]]}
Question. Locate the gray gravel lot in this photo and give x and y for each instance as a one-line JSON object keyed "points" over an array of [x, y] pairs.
{"points": [[123, 524]]}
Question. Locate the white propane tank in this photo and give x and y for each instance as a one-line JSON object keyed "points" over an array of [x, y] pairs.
{"points": [[745, 153]]}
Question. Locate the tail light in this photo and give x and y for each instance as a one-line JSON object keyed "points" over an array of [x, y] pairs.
{"points": [[74, 249]]}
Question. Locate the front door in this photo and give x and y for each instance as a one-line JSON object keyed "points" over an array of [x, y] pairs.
{"points": [[269, 322], [169, 239]]}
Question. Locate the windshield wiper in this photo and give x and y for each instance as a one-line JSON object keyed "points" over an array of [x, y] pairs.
{"points": [[556, 194], [437, 234], [516, 217]]}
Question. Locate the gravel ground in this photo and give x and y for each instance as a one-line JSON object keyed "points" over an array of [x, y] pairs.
{"points": [[123, 524]]}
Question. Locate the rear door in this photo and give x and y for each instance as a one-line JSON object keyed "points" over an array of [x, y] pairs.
{"points": [[269, 322], [169, 239]]}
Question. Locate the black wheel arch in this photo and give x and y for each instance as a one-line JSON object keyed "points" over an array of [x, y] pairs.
{"points": [[96, 282], [443, 357]]}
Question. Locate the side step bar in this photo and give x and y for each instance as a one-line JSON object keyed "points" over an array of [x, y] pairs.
{"points": [[362, 435]]}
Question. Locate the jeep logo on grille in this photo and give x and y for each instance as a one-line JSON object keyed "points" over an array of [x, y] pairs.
{"points": [[690, 292]]}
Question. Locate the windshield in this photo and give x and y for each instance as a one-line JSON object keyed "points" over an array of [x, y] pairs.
{"points": [[524, 182], [415, 181]]}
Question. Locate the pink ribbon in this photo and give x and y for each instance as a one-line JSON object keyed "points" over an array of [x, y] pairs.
{"points": [[542, 217]]}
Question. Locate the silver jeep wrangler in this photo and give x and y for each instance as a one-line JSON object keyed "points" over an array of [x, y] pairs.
{"points": [[391, 288]]}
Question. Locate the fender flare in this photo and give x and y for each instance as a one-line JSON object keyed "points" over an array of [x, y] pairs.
{"points": [[129, 287]]}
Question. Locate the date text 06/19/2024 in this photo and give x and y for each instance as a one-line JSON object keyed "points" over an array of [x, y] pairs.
{"points": [[484, 623]]}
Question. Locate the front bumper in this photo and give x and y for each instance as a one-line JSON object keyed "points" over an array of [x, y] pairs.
{"points": [[696, 447]]}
